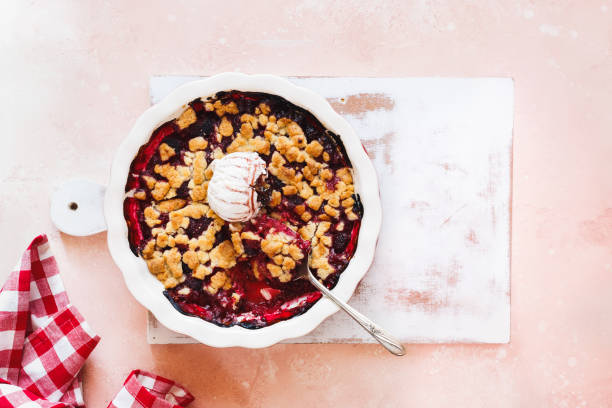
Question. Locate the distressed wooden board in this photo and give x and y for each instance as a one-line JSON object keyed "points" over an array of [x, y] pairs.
{"points": [[442, 148]]}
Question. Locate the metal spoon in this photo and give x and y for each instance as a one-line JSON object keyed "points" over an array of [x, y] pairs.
{"points": [[386, 340]]}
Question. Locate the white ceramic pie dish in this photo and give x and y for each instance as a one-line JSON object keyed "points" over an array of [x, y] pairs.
{"points": [[148, 290]]}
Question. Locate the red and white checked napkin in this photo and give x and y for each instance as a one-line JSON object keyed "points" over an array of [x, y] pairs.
{"points": [[44, 342]]}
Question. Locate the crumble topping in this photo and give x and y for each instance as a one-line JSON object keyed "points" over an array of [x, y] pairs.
{"points": [[166, 152], [187, 118], [198, 143], [223, 255], [308, 199]]}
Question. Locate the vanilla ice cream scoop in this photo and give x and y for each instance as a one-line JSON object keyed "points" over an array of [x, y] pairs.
{"points": [[230, 192]]}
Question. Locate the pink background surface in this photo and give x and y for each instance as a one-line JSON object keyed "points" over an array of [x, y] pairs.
{"points": [[74, 79]]}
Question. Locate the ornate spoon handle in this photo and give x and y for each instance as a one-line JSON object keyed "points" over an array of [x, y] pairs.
{"points": [[385, 339]]}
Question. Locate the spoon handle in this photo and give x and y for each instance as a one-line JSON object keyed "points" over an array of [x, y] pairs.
{"points": [[385, 339]]}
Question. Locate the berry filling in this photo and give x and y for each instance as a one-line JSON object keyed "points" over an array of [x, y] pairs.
{"points": [[243, 273]]}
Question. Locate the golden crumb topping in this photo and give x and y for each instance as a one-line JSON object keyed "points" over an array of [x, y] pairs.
{"points": [[307, 189], [187, 118]]}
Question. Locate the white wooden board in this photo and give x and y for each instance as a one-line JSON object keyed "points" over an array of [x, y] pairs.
{"points": [[442, 148]]}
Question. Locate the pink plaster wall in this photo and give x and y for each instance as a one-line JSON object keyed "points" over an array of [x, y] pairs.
{"points": [[74, 78]]}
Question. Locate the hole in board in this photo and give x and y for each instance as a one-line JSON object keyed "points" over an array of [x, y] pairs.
{"points": [[73, 206]]}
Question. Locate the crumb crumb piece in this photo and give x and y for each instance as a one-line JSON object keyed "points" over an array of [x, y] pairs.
{"points": [[198, 143], [187, 118], [225, 127], [166, 151]]}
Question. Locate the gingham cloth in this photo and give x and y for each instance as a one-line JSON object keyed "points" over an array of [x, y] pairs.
{"points": [[44, 342], [142, 389]]}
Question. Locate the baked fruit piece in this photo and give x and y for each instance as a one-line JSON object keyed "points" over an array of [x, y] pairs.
{"points": [[242, 272], [276, 249]]}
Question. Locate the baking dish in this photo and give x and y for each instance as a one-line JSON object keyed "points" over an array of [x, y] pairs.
{"points": [[148, 290]]}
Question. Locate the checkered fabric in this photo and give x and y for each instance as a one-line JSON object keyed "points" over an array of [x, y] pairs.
{"points": [[146, 390], [44, 340]]}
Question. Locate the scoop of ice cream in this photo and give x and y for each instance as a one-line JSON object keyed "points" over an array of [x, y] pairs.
{"points": [[230, 192]]}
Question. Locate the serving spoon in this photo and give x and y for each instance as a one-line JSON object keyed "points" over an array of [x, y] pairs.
{"points": [[385, 339]]}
